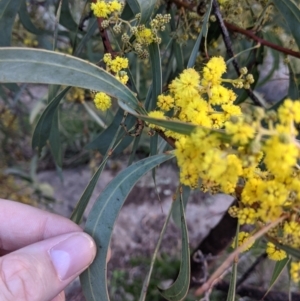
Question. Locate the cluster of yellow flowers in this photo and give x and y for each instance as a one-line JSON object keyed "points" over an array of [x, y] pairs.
{"points": [[240, 13], [103, 101], [76, 95], [103, 9], [244, 238], [205, 102], [230, 152], [116, 65], [144, 36], [271, 186]]}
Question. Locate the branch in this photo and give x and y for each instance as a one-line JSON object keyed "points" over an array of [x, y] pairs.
{"points": [[180, 4], [215, 277], [104, 38], [250, 34]]}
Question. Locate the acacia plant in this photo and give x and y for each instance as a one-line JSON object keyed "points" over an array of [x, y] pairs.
{"points": [[187, 73]]}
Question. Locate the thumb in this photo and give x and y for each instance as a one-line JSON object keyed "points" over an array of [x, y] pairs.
{"points": [[40, 271]]}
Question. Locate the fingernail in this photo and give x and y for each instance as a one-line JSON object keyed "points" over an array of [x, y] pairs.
{"points": [[72, 255]]}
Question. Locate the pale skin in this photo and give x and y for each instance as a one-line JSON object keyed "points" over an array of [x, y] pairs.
{"points": [[38, 253]]}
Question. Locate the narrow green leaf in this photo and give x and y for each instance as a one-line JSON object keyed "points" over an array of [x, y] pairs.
{"points": [[169, 72], [43, 128], [8, 12], [3, 94], [54, 136], [131, 8], [294, 84], [101, 221], [23, 65], [148, 98], [179, 289], [84, 200], [153, 145], [148, 276], [162, 145], [12, 87], [176, 126], [94, 116], [291, 251], [103, 140], [52, 92], [278, 269], [146, 9], [80, 207], [135, 145], [177, 48], [54, 139], [57, 18], [202, 33], [127, 13], [93, 25], [153, 152], [26, 21], [184, 194], [291, 13], [156, 74], [232, 284], [67, 19]]}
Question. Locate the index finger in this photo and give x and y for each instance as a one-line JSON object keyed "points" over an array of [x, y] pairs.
{"points": [[22, 225]]}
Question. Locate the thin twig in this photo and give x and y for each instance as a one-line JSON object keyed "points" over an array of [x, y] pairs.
{"points": [[225, 34], [250, 34], [209, 283], [104, 36], [183, 4]]}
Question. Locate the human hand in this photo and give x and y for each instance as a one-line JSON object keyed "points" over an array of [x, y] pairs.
{"points": [[41, 253]]}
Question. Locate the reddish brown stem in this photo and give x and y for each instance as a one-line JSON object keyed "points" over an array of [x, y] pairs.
{"points": [[180, 4], [250, 34], [104, 37]]}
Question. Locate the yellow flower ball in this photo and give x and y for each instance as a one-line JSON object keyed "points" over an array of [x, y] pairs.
{"points": [[274, 252], [295, 271], [101, 9], [102, 101], [244, 238]]}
